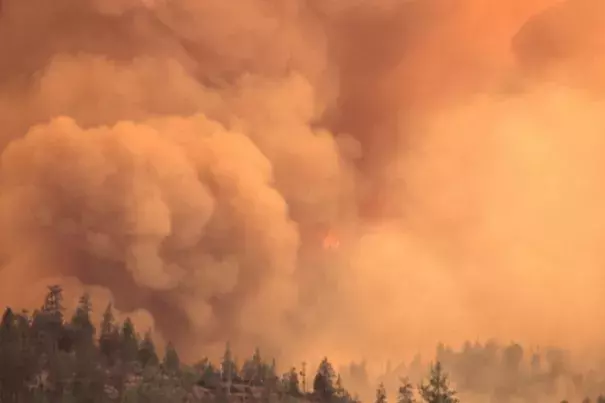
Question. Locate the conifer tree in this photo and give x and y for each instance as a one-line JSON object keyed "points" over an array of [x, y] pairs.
{"points": [[171, 361], [381, 394], [252, 370], [82, 327], [437, 390], [228, 366], [147, 354], [47, 324], [7, 326], [405, 394], [13, 370], [292, 383], [53, 303], [339, 390], [303, 376], [109, 337], [129, 342], [323, 383]]}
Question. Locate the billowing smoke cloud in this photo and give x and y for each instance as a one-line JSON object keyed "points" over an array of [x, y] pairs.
{"points": [[184, 159]]}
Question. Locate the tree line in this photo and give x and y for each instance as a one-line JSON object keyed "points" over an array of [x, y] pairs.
{"points": [[48, 358], [505, 373]]}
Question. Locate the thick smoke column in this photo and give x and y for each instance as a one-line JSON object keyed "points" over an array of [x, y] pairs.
{"points": [[183, 158]]}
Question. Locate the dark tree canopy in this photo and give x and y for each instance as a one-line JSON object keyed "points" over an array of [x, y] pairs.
{"points": [[437, 389], [47, 358], [405, 394], [323, 383]]}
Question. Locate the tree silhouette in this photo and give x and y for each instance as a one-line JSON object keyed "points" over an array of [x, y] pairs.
{"points": [[109, 337], [44, 359], [405, 394], [292, 383], [437, 389], [171, 362], [147, 355], [82, 330], [381, 394], [53, 303], [323, 383], [129, 342]]}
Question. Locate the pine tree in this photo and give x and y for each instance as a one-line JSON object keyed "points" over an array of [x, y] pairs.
{"points": [[512, 357], [129, 342], [171, 361], [53, 303], [303, 376], [292, 383], [109, 337], [228, 367], [108, 321], [85, 306], [270, 378], [47, 324], [253, 368], [437, 390], [7, 326], [210, 376], [323, 383], [13, 369], [405, 394], [381, 394], [147, 354], [82, 326], [339, 390], [258, 367]]}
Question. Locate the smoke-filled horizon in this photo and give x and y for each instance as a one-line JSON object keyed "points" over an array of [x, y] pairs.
{"points": [[185, 159]]}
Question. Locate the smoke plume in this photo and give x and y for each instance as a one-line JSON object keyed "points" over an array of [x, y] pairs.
{"points": [[185, 159]]}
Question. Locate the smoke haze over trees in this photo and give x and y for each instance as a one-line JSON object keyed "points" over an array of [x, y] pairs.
{"points": [[49, 356], [185, 160]]}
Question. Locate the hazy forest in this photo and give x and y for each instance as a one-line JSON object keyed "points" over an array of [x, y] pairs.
{"points": [[46, 357]]}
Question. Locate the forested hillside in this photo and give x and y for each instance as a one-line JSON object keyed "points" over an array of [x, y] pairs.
{"points": [[46, 357]]}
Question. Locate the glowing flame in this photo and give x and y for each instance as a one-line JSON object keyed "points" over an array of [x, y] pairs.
{"points": [[331, 241]]}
